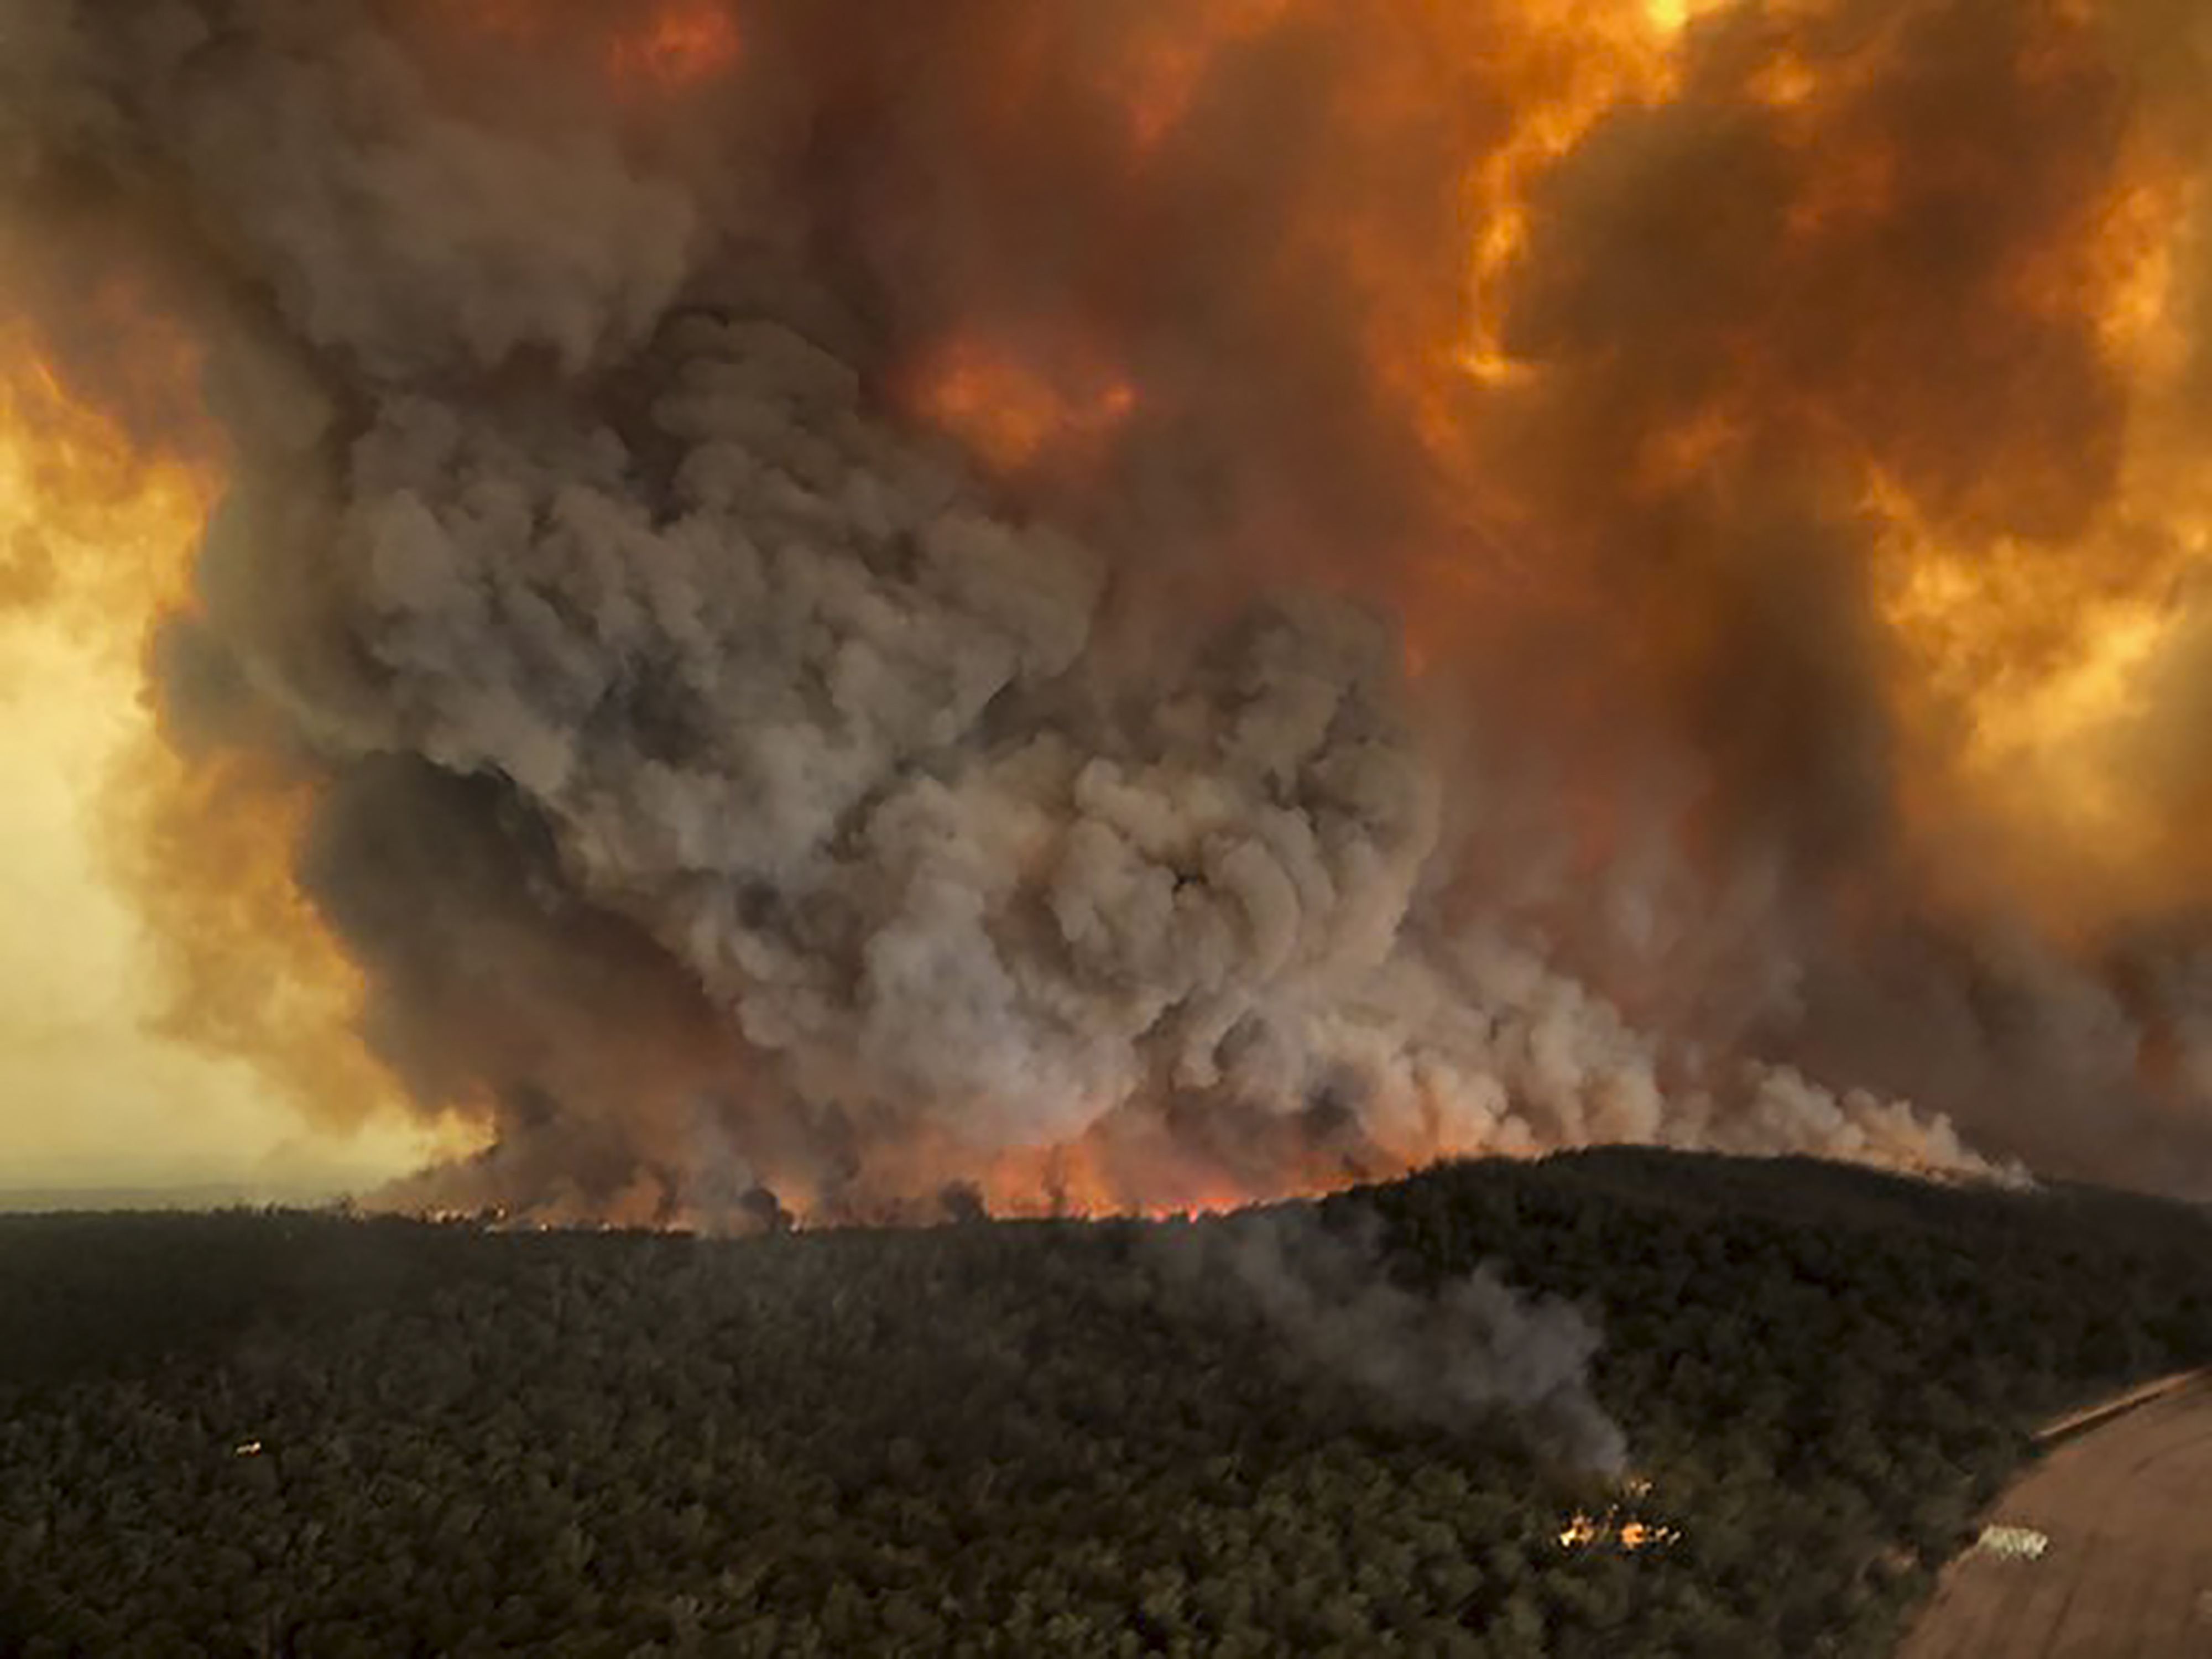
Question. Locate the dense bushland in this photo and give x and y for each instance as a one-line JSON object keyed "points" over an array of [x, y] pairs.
{"points": [[287, 1433]]}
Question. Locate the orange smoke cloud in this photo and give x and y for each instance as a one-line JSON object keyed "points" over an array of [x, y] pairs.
{"points": [[1165, 60], [1767, 433], [642, 53], [1014, 415], [98, 531], [676, 45]]}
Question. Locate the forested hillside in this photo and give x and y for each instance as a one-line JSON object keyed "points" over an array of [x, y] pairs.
{"points": [[286, 1433]]}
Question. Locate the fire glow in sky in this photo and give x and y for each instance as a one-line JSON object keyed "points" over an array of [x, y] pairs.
{"points": [[1132, 607]]}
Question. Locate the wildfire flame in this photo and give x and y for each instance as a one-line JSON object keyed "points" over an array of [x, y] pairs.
{"points": [[1614, 1527]]}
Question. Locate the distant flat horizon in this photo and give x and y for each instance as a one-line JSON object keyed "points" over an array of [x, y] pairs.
{"points": [[91, 1197]]}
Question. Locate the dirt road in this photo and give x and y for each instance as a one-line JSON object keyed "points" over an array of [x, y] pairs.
{"points": [[2128, 1571]]}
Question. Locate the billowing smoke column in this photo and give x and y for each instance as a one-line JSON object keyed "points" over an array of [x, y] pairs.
{"points": [[1130, 606], [1446, 1358]]}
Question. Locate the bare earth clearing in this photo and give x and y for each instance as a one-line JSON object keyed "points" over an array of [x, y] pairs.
{"points": [[2128, 1509]]}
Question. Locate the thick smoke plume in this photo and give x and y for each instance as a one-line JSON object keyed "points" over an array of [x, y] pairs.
{"points": [[1138, 606], [1444, 1357]]}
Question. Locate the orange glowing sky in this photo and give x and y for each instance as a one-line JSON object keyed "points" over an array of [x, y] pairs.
{"points": [[93, 1090]]}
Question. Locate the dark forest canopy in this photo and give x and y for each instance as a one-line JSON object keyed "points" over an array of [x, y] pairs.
{"points": [[1047, 1438]]}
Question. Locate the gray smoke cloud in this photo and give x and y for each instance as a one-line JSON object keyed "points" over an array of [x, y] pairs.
{"points": [[725, 783], [1444, 1357]]}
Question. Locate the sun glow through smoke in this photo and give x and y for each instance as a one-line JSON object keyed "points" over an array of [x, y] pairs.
{"points": [[134, 1064]]}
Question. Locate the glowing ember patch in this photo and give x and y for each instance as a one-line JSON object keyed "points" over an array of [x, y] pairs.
{"points": [[1012, 415], [679, 46], [1103, 1174], [1609, 1530]]}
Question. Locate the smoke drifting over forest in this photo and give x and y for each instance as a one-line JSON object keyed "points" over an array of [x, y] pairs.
{"points": [[1131, 606], [1443, 1357]]}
